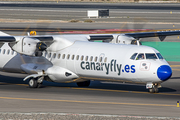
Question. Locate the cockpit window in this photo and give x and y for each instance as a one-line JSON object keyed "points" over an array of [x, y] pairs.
{"points": [[133, 56], [159, 56], [151, 56], [140, 56]]}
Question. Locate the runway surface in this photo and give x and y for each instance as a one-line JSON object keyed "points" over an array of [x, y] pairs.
{"points": [[101, 97], [65, 11]]}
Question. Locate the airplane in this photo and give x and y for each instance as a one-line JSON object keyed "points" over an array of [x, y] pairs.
{"points": [[76, 58]]}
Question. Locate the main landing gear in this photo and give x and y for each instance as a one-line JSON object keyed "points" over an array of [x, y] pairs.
{"points": [[153, 87], [83, 84], [35, 83]]}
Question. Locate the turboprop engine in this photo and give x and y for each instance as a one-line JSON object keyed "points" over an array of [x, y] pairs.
{"points": [[29, 46], [124, 39]]}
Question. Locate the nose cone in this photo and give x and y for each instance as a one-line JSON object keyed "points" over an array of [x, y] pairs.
{"points": [[164, 72]]}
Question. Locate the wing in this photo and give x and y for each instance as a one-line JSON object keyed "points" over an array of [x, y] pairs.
{"points": [[100, 37], [131, 38], [28, 45], [160, 34]]}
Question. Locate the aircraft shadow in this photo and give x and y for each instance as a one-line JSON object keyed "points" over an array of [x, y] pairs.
{"points": [[108, 86], [127, 87], [11, 80], [175, 78], [6, 80]]}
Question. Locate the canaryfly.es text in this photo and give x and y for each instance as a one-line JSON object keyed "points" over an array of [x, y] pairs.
{"points": [[113, 66]]}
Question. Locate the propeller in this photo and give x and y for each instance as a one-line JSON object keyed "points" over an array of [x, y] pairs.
{"points": [[137, 25], [40, 47]]}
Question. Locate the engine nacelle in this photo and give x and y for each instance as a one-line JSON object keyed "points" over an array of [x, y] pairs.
{"points": [[59, 74], [28, 46], [121, 39]]}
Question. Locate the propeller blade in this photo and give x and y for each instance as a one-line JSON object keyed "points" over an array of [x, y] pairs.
{"points": [[41, 46]]}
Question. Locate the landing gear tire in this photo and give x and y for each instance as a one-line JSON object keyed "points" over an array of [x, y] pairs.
{"points": [[33, 83], [83, 84], [156, 90], [153, 90], [39, 85]]}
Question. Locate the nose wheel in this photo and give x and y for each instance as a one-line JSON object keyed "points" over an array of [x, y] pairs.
{"points": [[153, 87], [153, 90]]}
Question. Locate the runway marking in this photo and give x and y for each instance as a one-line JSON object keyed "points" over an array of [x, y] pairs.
{"points": [[90, 102], [3, 83], [176, 69], [175, 65]]}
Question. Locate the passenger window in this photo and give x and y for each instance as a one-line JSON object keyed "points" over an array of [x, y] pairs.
{"points": [[133, 56], [72, 57], [159, 56], [82, 57], [54, 55], [63, 56], [49, 55], [95, 59], [77, 57], [68, 56], [4, 51], [91, 58], [140, 56], [59, 55], [86, 58], [151, 56], [100, 59], [8, 52], [105, 60], [45, 54], [12, 52]]}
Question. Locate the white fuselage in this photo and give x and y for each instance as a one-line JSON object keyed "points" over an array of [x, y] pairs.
{"points": [[87, 60]]}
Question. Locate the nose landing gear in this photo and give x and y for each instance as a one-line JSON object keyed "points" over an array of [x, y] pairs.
{"points": [[153, 87], [153, 90]]}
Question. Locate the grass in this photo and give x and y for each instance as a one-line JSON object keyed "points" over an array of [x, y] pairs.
{"points": [[88, 20], [74, 20]]}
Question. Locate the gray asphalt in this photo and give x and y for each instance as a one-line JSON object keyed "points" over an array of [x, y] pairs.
{"points": [[101, 97]]}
